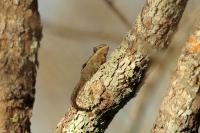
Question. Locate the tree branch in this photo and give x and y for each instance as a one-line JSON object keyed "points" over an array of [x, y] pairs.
{"points": [[118, 13], [118, 80], [78, 34], [180, 109], [20, 33]]}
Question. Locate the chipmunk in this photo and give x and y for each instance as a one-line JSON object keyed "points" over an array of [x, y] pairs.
{"points": [[88, 70]]}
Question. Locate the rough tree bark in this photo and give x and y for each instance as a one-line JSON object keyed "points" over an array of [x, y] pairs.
{"points": [[180, 109], [20, 33], [118, 80]]}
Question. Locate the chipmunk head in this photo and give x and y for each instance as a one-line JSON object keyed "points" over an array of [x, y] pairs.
{"points": [[95, 49]]}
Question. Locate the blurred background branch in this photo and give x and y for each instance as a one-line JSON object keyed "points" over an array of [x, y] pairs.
{"points": [[79, 34], [111, 5]]}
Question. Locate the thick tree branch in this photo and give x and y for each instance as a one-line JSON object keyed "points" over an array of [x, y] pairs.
{"points": [[20, 33], [118, 80], [180, 109]]}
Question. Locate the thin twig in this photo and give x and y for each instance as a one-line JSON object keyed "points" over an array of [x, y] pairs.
{"points": [[79, 34], [118, 13]]}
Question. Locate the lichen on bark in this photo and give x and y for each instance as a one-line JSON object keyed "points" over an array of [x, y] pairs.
{"points": [[20, 34], [180, 109]]}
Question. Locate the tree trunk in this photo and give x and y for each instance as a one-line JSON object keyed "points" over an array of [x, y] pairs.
{"points": [[118, 80], [180, 109], [20, 33]]}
